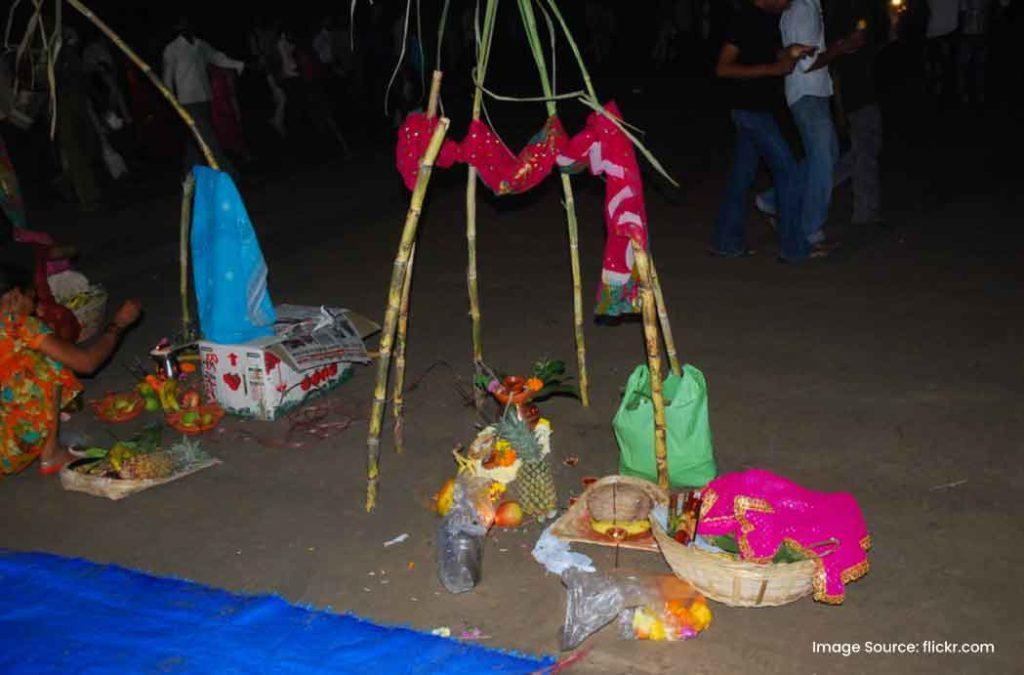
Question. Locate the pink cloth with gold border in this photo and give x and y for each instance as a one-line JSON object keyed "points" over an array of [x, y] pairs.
{"points": [[763, 510]]}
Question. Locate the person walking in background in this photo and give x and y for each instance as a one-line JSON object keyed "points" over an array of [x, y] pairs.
{"points": [[186, 59], [943, 19], [753, 63], [76, 131], [263, 47], [854, 72], [290, 80], [226, 114], [808, 94], [972, 50]]}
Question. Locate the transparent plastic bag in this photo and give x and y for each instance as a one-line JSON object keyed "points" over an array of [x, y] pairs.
{"points": [[593, 600], [460, 540]]}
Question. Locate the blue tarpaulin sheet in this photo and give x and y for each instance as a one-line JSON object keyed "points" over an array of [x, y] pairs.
{"points": [[63, 615]]}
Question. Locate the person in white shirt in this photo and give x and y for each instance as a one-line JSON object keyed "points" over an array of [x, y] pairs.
{"points": [[186, 59], [808, 94]]}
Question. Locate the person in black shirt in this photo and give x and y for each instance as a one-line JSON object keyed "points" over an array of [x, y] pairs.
{"points": [[853, 73], [754, 63]]}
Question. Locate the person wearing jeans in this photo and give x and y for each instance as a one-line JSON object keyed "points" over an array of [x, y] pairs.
{"points": [[867, 25], [808, 93], [752, 62]]}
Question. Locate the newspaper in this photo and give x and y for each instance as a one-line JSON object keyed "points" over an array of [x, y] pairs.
{"points": [[312, 337]]}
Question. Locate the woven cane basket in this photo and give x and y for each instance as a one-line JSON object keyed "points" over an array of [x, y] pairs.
{"points": [[735, 582]]}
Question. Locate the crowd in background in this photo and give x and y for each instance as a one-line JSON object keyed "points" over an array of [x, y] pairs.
{"points": [[290, 86]]}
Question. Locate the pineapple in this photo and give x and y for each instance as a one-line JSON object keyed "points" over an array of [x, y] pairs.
{"points": [[534, 487], [147, 466]]}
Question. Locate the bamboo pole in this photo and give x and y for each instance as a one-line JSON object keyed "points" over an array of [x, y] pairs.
{"points": [[398, 273], [397, 397], [144, 67], [666, 327], [480, 72], [652, 344], [568, 201], [187, 192]]}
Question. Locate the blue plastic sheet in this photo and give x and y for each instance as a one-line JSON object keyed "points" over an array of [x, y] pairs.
{"points": [[230, 273], [62, 615]]}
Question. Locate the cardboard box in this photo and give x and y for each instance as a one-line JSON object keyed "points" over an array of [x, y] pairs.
{"points": [[311, 353]]}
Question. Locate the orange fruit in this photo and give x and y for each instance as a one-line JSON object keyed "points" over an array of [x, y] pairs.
{"points": [[444, 497]]}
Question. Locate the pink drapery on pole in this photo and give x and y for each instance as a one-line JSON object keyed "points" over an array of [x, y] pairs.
{"points": [[600, 147]]}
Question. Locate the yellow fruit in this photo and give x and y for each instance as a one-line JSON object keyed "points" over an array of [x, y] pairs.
{"points": [[444, 496]]}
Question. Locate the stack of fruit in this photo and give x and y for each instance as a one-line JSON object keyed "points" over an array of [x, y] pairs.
{"points": [[141, 458], [159, 393], [534, 485], [195, 417], [119, 407]]}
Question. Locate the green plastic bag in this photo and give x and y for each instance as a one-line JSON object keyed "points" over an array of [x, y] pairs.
{"points": [[691, 459]]}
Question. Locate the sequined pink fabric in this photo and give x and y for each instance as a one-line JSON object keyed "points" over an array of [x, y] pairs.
{"points": [[600, 146], [763, 510]]}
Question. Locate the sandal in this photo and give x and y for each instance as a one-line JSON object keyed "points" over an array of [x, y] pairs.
{"points": [[743, 253], [54, 466], [823, 249]]}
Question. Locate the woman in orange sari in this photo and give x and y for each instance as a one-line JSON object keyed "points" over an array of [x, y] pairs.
{"points": [[37, 374]]}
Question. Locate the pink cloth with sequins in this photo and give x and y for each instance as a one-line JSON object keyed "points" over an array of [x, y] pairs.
{"points": [[763, 510], [600, 146]]}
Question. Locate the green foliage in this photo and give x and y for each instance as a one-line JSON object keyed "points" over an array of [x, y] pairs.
{"points": [[785, 553], [519, 436]]}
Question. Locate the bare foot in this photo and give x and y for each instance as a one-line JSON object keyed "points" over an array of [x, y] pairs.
{"points": [[53, 456]]}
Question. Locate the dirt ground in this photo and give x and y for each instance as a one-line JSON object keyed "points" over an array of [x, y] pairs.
{"points": [[892, 371]]}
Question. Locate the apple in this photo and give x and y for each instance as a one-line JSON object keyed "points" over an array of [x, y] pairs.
{"points": [[509, 514]]}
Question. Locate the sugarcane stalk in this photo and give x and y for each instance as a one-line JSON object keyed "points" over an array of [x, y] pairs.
{"points": [[652, 344], [187, 192], [398, 273], [144, 67], [568, 201], [397, 397], [666, 326], [479, 74]]}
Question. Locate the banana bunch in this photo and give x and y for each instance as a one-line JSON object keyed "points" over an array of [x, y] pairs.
{"points": [[120, 453]]}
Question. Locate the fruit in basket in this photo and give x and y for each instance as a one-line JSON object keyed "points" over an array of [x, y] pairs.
{"points": [[147, 466], [509, 514], [503, 455], [119, 454], [119, 407], [190, 400], [535, 484]]}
